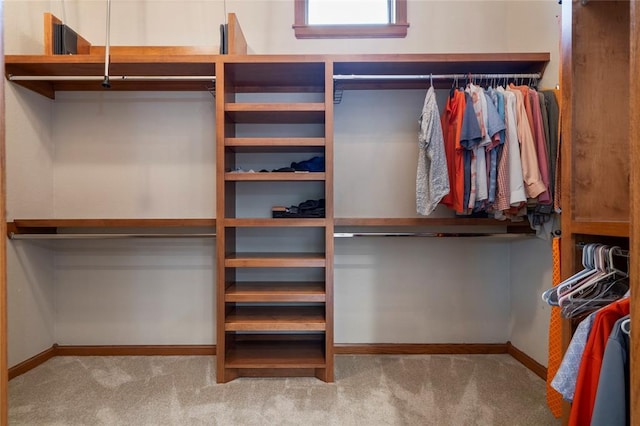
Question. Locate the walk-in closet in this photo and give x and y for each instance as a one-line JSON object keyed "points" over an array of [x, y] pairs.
{"points": [[218, 212]]}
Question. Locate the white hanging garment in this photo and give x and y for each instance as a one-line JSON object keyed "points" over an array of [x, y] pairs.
{"points": [[432, 178]]}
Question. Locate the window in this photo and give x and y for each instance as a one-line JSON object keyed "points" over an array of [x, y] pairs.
{"points": [[350, 18]]}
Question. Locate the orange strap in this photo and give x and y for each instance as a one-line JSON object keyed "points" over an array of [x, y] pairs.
{"points": [[554, 399]]}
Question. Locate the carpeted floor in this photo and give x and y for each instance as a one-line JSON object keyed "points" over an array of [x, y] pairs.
{"points": [[369, 390]]}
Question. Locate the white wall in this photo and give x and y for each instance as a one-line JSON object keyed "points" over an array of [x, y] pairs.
{"points": [[143, 155], [530, 274], [148, 155], [29, 194], [140, 292], [414, 290]]}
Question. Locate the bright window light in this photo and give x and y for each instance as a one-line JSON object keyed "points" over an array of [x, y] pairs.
{"points": [[348, 12]]}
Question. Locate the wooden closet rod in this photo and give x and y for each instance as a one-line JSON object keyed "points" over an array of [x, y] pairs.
{"points": [[431, 76]]}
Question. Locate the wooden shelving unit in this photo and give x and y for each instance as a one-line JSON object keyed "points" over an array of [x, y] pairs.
{"points": [[284, 305], [600, 180]]}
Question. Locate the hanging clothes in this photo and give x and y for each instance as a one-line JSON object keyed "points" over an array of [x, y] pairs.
{"points": [[540, 143], [553, 113], [495, 130], [530, 170], [432, 181], [504, 166], [451, 129], [611, 407], [480, 107], [516, 196], [470, 137], [591, 362], [565, 379]]}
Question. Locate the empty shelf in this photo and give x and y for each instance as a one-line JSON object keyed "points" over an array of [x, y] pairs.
{"points": [[275, 260], [276, 113], [276, 318], [276, 292], [276, 353]]}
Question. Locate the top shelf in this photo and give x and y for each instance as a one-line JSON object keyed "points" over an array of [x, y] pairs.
{"points": [[47, 74], [42, 73]]}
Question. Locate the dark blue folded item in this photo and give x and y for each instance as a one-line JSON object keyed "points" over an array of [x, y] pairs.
{"points": [[315, 164], [306, 209]]}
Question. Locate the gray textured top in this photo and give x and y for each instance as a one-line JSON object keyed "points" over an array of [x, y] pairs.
{"points": [[432, 179]]}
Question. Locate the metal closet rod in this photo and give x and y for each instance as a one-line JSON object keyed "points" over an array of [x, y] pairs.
{"points": [[431, 76], [105, 236], [112, 78], [424, 234], [620, 253]]}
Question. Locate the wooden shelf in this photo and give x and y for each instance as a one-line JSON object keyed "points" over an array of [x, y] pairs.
{"points": [[275, 176], [275, 260], [275, 73], [276, 318], [255, 73], [268, 352], [425, 64], [615, 229], [511, 227], [276, 113], [79, 227], [275, 144], [276, 292], [280, 222], [142, 63]]}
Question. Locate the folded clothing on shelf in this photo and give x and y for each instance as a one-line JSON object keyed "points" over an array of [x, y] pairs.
{"points": [[315, 164], [306, 209]]}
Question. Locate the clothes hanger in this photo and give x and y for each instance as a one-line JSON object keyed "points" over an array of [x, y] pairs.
{"points": [[608, 289], [454, 86], [551, 295], [593, 286], [600, 271], [625, 326], [611, 292]]}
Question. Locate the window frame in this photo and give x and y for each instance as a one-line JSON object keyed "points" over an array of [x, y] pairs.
{"points": [[396, 30]]}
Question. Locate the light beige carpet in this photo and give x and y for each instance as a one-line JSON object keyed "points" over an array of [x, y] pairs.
{"points": [[369, 390]]}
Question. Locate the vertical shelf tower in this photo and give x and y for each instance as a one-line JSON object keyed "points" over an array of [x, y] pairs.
{"points": [[600, 143], [275, 303]]}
